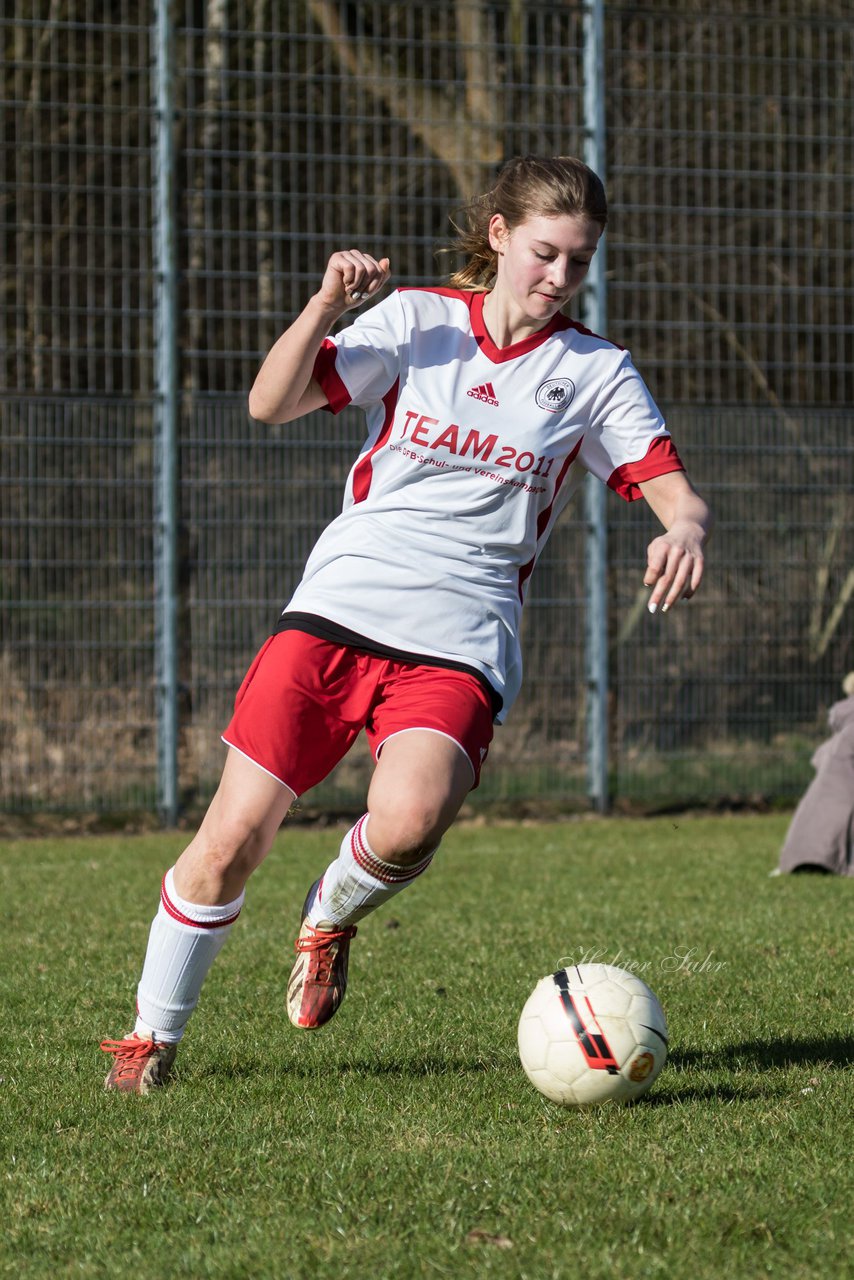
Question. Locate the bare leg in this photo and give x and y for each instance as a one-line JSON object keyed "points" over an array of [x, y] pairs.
{"points": [[418, 788], [236, 833], [420, 782], [202, 895]]}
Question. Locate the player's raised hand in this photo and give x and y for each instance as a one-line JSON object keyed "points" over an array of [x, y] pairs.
{"points": [[351, 278]]}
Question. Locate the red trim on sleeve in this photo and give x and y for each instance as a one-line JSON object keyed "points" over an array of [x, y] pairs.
{"points": [[327, 376], [661, 457], [363, 473]]}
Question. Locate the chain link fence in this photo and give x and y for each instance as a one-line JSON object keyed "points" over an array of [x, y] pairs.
{"points": [[304, 127]]}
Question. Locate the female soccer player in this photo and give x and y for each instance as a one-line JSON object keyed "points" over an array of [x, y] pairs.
{"points": [[485, 406]]}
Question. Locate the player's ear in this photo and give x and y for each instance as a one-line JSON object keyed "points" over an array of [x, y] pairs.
{"points": [[498, 232]]}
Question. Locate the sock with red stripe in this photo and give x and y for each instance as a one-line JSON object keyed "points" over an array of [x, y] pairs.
{"points": [[184, 941], [358, 882]]}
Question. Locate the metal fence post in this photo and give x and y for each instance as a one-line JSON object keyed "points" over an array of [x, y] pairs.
{"points": [[165, 422], [596, 551]]}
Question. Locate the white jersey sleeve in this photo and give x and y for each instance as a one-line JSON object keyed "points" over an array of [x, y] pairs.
{"points": [[626, 441], [361, 363]]}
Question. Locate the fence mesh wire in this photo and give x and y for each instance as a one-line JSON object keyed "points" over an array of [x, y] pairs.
{"points": [[302, 127]]}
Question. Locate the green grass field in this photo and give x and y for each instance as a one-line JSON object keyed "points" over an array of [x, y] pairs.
{"points": [[404, 1140]]}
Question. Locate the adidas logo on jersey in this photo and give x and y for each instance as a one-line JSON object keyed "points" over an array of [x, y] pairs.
{"points": [[486, 393]]}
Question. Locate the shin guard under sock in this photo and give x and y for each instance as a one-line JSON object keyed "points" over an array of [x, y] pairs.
{"points": [[358, 882], [184, 941]]}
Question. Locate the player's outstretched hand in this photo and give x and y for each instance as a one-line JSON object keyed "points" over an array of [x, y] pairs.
{"points": [[351, 278], [674, 560], [674, 565]]}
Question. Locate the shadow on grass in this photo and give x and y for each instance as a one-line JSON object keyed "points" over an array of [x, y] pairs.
{"points": [[835, 1050], [429, 1066], [753, 1055], [405, 1068], [668, 1096]]}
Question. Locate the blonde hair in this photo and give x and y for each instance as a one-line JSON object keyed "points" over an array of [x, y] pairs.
{"points": [[527, 187]]}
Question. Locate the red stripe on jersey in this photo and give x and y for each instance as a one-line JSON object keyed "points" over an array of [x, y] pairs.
{"points": [[364, 470], [543, 520], [170, 908], [328, 378], [661, 457]]}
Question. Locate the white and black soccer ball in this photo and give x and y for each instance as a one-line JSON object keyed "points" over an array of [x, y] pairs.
{"points": [[592, 1033]]}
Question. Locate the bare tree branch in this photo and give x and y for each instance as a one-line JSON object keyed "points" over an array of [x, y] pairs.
{"points": [[261, 168], [819, 636], [214, 59], [465, 137]]}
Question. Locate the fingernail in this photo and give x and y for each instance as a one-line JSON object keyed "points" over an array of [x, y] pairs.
{"points": [[652, 606], [664, 608]]}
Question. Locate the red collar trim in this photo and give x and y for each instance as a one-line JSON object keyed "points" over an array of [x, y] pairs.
{"points": [[474, 300], [499, 355]]}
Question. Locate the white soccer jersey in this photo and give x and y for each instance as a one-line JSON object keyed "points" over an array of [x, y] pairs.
{"points": [[472, 453]]}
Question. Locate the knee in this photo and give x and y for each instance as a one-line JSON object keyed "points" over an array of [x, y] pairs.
{"points": [[406, 833], [232, 847], [221, 857]]}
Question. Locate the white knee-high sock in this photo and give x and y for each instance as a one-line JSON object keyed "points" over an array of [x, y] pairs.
{"points": [[184, 941], [358, 882]]}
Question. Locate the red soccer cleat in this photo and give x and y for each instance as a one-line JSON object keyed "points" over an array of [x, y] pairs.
{"points": [[319, 977], [140, 1065]]}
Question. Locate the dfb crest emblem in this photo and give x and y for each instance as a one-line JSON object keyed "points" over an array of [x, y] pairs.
{"points": [[555, 394]]}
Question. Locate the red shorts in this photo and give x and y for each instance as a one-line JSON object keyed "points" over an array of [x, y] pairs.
{"points": [[304, 701]]}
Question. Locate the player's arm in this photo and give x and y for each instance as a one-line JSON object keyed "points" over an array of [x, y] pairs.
{"points": [[284, 388], [675, 558]]}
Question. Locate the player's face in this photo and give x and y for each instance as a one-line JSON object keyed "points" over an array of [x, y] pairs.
{"points": [[543, 261]]}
